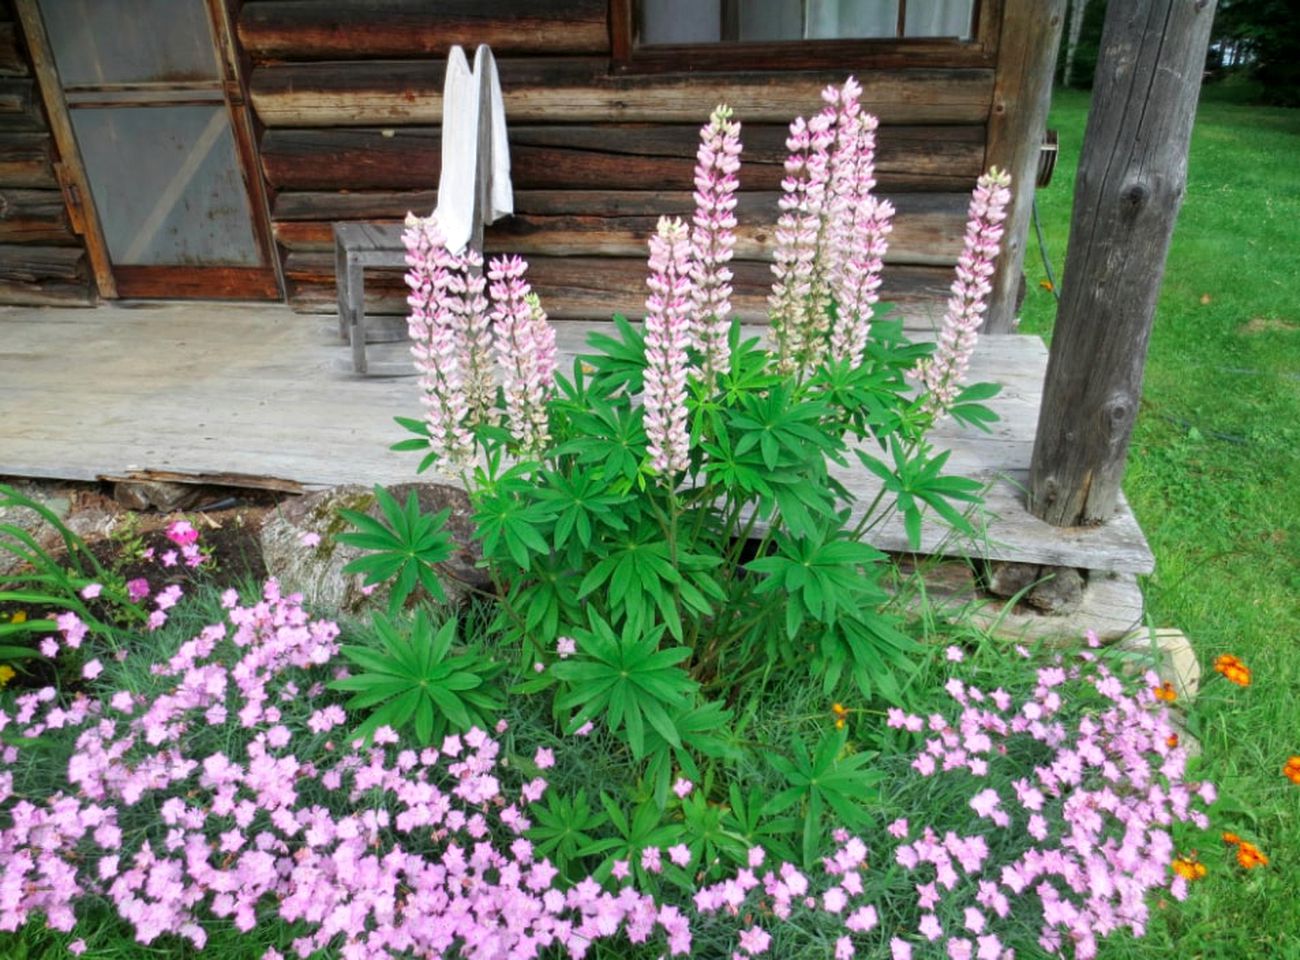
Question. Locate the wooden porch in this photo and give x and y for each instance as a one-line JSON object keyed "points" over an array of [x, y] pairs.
{"points": [[256, 395]]}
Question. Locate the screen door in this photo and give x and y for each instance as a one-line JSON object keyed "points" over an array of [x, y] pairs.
{"points": [[145, 89]]}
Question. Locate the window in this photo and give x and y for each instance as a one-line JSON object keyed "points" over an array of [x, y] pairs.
{"points": [[677, 22]]}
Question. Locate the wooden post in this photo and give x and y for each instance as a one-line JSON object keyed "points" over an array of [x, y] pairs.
{"points": [[1022, 91], [1132, 174]]}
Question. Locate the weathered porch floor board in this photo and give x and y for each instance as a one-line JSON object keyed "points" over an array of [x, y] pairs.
{"points": [[255, 394]]}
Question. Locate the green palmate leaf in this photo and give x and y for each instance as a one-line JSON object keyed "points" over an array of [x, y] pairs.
{"points": [[621, 361], [404, 547], [564, 826], [823, 578], [410, 676], [829, 777], [625, 680]]}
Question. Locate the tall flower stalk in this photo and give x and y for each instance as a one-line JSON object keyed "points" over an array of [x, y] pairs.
{"points": [[475, 337], [433, 324], [860, 224], [525, 346], [713, 240], [941, 374], [667, 335]]}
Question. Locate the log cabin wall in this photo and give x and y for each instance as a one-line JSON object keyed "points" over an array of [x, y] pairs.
{"points": [[347, 93], [42, 259]]}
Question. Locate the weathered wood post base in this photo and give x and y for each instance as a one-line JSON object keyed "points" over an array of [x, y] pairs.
{"points": [[1132, 174]]}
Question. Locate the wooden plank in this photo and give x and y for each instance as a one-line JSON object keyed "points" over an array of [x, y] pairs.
{"points": [[1022, 92], [362, 29], [593, 287], [18, 107], [606, 156], [25, 263], [1132, 176], [196, 413], [13, 62], [27, 160], [46, 293], [381, 93], [34, 216], [928, 229]]}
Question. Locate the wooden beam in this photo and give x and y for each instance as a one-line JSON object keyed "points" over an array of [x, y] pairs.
{"points": [[65, 140], [609, 156], [12, 61], [18, 109], [1022, 92], [35, 216], [365, 29], [581, 90], [927, 230], [27, 160], [1132, 174]]}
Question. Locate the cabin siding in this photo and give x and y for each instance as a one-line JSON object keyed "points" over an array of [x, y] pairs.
{"points": [[42, 259], [348, 96]]}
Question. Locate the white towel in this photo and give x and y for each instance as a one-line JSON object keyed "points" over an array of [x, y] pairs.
{"points": [[460, 144]]}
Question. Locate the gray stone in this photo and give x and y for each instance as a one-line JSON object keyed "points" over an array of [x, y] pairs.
{"points": [[1175, 660], [317, 572], [1060, 591], [1003, 578], [155, 494]]}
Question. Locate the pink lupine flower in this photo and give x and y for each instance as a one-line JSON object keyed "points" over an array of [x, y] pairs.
{"points": [[434, 325], [474, 340], [940, 375], [525, 345], [859, 225], [713, 240], [798, 297], [667, 329]]}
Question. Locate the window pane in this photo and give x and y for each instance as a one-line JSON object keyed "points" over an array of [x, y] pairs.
{"points": [[130, 41], [166, 185], [939, 18], [767, 20], [681, 21], [848, 19]]}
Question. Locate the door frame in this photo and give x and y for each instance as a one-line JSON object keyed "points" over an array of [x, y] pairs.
{"points": [[180, 281]]}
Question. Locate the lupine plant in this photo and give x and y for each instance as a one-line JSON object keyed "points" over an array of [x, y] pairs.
{"points": [[677, 506]]}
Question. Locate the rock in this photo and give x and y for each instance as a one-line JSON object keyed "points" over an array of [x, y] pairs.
{"points": [[1006, 579], [1059, 593], [32, 523], [317, 572], [156, 494], [1175, 659]]}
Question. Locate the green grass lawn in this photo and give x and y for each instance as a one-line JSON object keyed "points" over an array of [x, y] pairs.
{"points": [[1214, 476]]}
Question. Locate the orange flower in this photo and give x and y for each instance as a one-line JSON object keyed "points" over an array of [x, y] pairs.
{"points": [[840, 714], [1250, 856], [1231, 838], [1165, 692], [1172, 740], [1189, 868], [1233, 669], [1292, 770]]}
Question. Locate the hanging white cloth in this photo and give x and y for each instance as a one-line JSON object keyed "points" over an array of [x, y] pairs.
{"points": [[463, 106]]}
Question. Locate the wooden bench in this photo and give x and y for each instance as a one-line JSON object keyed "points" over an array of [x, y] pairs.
{"points": [[357, 246]]}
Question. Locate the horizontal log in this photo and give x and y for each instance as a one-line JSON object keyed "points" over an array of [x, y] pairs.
{"points": [[591, 287], [28, 264], [34, 216], [19, 108], [13, 62], [928, 229], [581, 90], [606, 156], [362, 205], [27, 160], [46, 293], [360, 29]]}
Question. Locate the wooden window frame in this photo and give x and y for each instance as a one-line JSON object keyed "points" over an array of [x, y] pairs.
{"points": [[861, 54]]}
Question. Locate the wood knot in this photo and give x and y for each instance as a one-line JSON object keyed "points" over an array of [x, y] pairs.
{"points": [[1135, 194]]}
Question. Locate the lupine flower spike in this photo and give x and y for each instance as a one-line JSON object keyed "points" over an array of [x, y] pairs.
{"points": [[432, 325], [941, 374], [798, 301], [475, 338], [713, 240], [525, 344], [667, 333], [860, 223]]}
